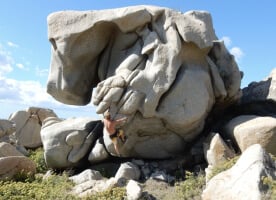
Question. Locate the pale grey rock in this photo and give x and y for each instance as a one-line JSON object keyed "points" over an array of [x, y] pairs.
{"points": [[7, 127], [162, 69], [138, 162], [86, 175], [159, 175], [22, 150], [28, 125], [216, 152], [6, 150], [133, 190], [42, 113], [9, 166], [98, 153], [128, 171], [93, 186], [66, 142], [244, 179], [262, 90], [247, 130]]}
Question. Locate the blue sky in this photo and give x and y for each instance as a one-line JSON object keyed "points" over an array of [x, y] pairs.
{"points": [[248, 28]]}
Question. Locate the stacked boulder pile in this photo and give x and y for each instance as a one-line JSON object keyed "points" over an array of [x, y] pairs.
{"points": [[18, 134], [179, 89]]}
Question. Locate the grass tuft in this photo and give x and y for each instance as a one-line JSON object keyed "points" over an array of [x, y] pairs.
{"points": [[191, 187]]}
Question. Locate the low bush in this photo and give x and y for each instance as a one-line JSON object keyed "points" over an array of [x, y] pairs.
{"points": [[38, 157], [55, 187], [191, 187], [223, 166]]}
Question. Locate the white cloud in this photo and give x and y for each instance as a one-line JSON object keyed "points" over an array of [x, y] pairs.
{"points": [[41, 72], [227, 41], [5, 62], [32, 93], [20, 65], [24, 92], [11, 44], [237, 52]]}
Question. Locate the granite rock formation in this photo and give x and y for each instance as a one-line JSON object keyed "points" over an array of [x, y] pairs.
{"points": [[162, 69]]}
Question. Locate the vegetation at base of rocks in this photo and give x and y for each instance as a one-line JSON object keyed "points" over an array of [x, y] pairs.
{"points": [[271, 185], [117, 193], [54, 187], [26, 186], [223, 166], [191, 187], [38, 157]]}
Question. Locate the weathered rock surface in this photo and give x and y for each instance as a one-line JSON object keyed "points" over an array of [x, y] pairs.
{"points": [[10, 166], [244, 179], [86, 175], [128, 171], [216, 152], [260, 91], [67, 142], [93, 186], [28, 125], [98, 153], [6, 150], [134, 190], [7, 127], [162, 69], [247, 130]]}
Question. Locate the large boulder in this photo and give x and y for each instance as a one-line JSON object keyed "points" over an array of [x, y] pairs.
{"points": [[262, 90], [28, 125], [7, 127], [162, 69], [67, 142], [216, 151], [244, 179], [13, 165], [247, 130], [6, 150]]}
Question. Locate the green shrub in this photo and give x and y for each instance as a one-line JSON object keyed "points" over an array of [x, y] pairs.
{"points": [[38, 157], [271, 185], [23, 177], [191, 187], [55, 187], [223, 166]]}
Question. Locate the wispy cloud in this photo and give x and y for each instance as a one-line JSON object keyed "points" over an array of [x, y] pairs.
{"points": [[32, 93], [22, 66], [235, 51], [5, 62], [25, 92], [11, 44], [227, 41], [41, 72]]}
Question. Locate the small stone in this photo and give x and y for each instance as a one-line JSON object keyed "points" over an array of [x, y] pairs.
{"points": [[159, 175], [134, 190]]}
